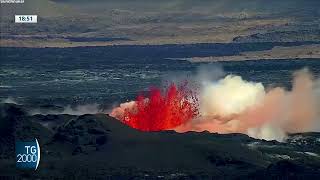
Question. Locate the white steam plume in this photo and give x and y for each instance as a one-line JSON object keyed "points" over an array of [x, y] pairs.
{"points": [[233, 105]]}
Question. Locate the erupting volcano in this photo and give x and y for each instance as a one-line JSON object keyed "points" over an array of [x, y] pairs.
{"points": [[228, 105], [160, 111]]}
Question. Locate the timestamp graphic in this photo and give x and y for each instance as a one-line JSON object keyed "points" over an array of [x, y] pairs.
{"points": [[26, 19]]}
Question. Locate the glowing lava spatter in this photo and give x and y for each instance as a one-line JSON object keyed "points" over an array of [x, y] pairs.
{"points": [[176, 106]]}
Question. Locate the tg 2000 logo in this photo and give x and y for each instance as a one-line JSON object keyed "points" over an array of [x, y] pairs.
{"points": [[28, 154]]}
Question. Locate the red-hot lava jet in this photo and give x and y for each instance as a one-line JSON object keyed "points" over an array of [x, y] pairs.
{"points": [[159, 111]]}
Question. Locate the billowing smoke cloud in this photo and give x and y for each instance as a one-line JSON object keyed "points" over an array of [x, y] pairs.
{"points": [[233, 105], [238, 94]]}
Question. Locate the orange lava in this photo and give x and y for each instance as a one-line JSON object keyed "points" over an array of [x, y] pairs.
{"points": [[162, 111]]}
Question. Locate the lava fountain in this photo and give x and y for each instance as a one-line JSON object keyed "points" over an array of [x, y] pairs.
{"points": [[160, 110]]}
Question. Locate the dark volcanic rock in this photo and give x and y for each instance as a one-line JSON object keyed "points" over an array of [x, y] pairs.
{"points": [[99, 146], [51, 121], [16, 125], [287, 170], [82, 131], [9, 117]]}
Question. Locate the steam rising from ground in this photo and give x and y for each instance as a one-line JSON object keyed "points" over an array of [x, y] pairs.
{"points": [[233, 105], [77, 110], [9, 100]]}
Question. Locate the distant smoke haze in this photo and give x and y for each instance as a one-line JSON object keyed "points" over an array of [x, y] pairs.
{"points": [[77, 110]]}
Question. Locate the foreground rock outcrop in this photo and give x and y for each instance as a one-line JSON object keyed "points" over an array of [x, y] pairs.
{"points": [[99, 146]]}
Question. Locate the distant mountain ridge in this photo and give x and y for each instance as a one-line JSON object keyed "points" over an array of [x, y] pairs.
{"points": [[158, 22]]}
